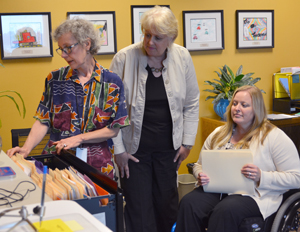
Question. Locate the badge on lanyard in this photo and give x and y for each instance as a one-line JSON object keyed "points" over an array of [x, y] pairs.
{"points": [[81, 153]]}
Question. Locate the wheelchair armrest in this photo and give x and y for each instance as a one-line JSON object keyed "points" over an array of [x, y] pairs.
{"points": [[289, 193]]}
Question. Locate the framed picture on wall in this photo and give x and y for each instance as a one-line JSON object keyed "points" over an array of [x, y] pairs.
{"points": [[105, 23], [136, 14], [255, 28], [203, 30], [25, 35]]}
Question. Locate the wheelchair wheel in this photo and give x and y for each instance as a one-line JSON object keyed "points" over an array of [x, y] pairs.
{"points": [[288, 216]]}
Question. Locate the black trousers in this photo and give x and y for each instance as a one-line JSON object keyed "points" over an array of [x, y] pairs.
{"points": [[151, 192], [199, 210]]}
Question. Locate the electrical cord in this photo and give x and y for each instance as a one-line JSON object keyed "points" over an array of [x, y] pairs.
{"points": [[14, 196]]}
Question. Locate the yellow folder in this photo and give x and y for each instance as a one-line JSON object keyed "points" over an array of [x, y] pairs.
{"points": [[293, 85]]}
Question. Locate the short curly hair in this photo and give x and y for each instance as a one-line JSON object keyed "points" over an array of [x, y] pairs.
{"points": [[81, 29], [161, 20]]}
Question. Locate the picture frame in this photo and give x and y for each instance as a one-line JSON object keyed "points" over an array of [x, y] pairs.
{"points": [[25, 35], [105, 22], [203, 30], [254, 29], [136, 14]]}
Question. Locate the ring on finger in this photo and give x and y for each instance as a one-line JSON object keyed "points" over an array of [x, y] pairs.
{"points": [[65, 145]]}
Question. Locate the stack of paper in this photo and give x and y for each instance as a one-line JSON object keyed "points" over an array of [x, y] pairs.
{"points": [[293, 70], [281, 116]]}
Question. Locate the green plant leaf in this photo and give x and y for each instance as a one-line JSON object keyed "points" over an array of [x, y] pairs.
{"points": [[219, 75], [239, 77], [220, 96], [212, 91], [16, 104], [12, 98], [225, 76], [239, 71], [231, 73], [248, 75], [215, 85], [253, 81], [228, 83], [210, 97]]}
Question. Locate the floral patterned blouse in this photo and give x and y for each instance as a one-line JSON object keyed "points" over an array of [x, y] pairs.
{"points": [[69, 109]]}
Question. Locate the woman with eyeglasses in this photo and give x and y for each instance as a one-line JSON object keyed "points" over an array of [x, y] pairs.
{"points": [[83, 103]]}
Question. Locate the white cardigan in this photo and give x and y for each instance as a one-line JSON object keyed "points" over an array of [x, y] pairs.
{"points": [[279, 163]]}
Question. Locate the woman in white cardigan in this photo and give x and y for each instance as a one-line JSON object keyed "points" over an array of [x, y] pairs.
{"points": [[275, 169]]}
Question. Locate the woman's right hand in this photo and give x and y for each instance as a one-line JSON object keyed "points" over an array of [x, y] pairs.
{"points": [[22, 151], [122, 162], [203, 179]]}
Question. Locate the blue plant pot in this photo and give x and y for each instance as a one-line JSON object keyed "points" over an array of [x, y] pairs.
{"points": [[220, 107]]}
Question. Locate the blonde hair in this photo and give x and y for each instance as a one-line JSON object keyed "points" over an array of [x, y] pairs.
{"points": [[160, 20], [260, 123], [82, 30]]}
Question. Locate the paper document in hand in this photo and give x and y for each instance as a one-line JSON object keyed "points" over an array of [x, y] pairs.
{"points": [[224, 170]]}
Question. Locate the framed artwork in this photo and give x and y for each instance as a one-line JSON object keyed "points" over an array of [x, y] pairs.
{"points": [[25, 35], [136, 14], [203, 30], [255, 28], [105, 23]]}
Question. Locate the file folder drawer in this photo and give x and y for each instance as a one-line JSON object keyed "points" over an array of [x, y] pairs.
{"points": [[112, 213]]}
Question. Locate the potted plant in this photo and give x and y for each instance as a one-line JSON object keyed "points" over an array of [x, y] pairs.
{"points": [[224, 87], [10, 94]]}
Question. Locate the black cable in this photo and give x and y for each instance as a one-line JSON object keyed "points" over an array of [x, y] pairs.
{"points": [[13, 196]]}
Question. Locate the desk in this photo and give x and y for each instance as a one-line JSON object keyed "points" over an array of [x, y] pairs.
{"points": [[65, 210], [290, 126], [10, 184]]}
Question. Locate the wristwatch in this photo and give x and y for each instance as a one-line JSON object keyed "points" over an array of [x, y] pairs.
{"points": [[187, 146]]}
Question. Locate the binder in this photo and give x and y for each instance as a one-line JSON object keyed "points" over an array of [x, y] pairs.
{"points": [[292, 82]]}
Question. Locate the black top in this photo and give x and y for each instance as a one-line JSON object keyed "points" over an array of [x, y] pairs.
{"points": [[157, 122]]}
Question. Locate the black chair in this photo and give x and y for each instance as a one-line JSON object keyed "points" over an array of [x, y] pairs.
{"points": [[19, 137], [286, 219]]}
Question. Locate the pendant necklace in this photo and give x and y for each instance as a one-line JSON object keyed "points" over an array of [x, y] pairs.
{"points": [[157, 70]]}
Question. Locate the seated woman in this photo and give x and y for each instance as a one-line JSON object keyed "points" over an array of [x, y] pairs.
{"points": [[275, 169]]}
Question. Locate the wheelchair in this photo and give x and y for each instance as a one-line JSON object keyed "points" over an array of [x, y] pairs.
{"points": [[286, 219]]}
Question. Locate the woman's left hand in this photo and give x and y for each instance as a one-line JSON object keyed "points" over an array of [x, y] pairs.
{"points": [[251, 171], [181, 155], [68, 143]]}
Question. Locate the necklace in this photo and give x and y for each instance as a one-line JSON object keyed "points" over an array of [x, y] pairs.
{"points": [[157, 70]]}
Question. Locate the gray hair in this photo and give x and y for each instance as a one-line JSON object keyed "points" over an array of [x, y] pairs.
{"points": [[81, 29], [161, 20]]}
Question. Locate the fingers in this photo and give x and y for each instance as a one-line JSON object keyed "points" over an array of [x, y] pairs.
{"points": [[178, 165], [203, 179], [176, 157], [12, 151], [133, 158], [59, 145]]}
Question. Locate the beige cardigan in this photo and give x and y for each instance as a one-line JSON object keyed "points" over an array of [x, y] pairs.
{"points": [[279, 163], [182, 90]]}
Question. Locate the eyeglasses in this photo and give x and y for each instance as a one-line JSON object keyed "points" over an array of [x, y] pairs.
{"points": [[66, 50]]}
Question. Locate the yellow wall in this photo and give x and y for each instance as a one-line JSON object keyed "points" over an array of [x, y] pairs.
{"points": [[27, 75]]}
